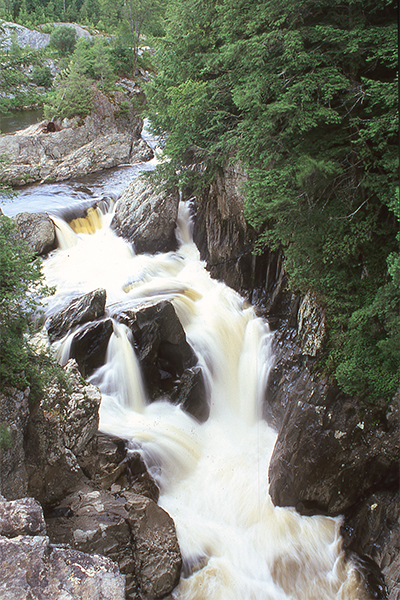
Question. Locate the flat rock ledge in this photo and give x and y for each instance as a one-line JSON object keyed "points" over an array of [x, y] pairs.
{"points": [[77, 147]]}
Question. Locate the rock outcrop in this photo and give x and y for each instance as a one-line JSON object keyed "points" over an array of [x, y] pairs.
{"points": [[32, 567], [147, 218], [128, 528], [14, 415], [104, 139], [61, 432]]}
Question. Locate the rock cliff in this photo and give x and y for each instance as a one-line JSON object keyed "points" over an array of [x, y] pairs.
{"points": [[334, 455]]}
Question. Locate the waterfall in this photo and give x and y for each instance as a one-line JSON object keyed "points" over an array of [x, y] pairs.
{"points": [[213, 477]]}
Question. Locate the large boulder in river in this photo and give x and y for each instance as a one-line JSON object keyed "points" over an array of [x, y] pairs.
{"points": [[163, 352], [81, 310], [38, 231], [89, 346], [147, 218], [332, 451]]}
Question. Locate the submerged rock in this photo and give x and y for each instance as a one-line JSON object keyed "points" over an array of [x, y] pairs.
{"points": [[147, 218]]}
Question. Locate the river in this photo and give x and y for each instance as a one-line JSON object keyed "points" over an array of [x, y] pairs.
{"points": [[213, 476]]}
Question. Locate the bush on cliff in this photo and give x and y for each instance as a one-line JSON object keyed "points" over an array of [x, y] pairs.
{"points": [[21, 288]]}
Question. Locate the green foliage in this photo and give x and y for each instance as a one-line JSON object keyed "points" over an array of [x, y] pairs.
{"points": [[21, 286], [306, 96], [22, 361], [41, 76], [5, 437], [72, 96], [63, 39]]}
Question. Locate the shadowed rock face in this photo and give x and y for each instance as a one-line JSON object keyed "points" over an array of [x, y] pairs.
{"points": [[89, 346], [85, 308]]}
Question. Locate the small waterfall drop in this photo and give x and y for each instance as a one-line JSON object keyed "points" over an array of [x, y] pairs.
{"points": [[213, 477]]}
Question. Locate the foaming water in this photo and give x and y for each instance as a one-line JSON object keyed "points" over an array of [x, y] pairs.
{"points": [[213, 477]]}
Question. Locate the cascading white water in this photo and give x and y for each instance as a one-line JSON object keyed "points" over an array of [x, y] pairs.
{"points": [[213, 477]]}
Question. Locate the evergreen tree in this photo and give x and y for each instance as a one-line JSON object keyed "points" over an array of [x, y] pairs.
{"points": [[305, 94]]}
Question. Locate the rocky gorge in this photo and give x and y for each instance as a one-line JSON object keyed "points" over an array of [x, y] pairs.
{"points": [[333, 455]]}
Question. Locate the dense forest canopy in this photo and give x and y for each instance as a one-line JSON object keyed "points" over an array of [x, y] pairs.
{"points": [[303, 93]]}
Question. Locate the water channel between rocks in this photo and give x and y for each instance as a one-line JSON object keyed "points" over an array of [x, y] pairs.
{"points": [[213, 476]]}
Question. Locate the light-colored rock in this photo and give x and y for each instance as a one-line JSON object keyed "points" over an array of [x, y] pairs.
{"points": [[61, 429], [101, 140], [102, 153], [147, 218], [21, 517], [37, 230], [311, 325], [32, 568]]}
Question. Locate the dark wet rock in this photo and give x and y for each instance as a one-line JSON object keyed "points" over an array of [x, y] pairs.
{"points": [[14, 415], [147, 218], [21, 517], [38, 231], [372, 529], [191, 394], [331, 451], [89, 346], [157, 554], [83, 309], [61, 431], [162, 349]]}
